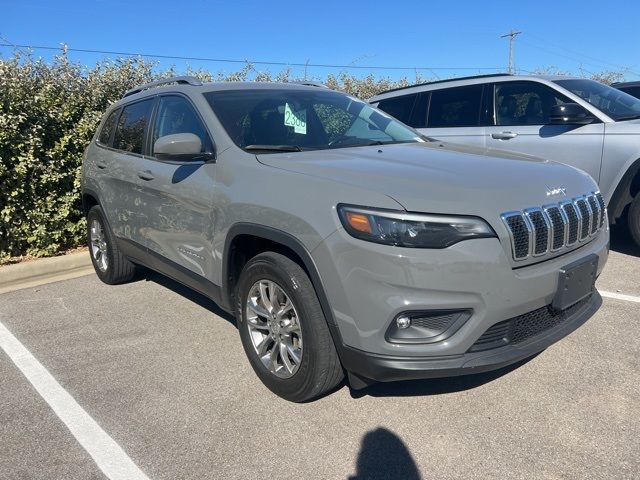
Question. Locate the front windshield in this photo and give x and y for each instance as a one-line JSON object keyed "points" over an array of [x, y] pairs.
{"points": [[297, 119], [614, 103]]}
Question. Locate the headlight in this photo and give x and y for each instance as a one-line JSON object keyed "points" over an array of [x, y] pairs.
{"points": [[411, 230]]}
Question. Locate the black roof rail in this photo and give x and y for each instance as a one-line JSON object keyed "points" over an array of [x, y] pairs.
{"points": [[487, 75], [185, 80], [634, 83], [310, 83]]}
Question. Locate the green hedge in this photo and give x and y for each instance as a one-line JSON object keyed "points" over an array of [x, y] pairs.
{"points": [[48, 114]]}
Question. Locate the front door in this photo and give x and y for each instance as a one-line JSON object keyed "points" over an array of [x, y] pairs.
{"points": [[177, 196]]}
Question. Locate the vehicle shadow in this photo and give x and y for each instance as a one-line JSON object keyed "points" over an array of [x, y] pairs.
{"points": [[409, 388], [384, 455], [622, 242], [436, 386], [189, 294]]}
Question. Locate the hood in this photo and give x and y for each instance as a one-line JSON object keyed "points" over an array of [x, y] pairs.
{"points": [[436, 177]]}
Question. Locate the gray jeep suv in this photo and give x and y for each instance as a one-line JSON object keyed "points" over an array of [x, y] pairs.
{"points": [[575, 121], [340, 239]]}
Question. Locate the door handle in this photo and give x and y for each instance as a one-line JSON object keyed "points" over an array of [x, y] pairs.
{"points": [[504, 135], [145, 175], [101, 166]]}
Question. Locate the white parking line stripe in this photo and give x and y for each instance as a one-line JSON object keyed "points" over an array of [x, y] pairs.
{"points": [[107, 454], [620, 296]]}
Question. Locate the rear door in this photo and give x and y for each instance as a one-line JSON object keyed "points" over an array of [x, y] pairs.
{"points": [[122, 160], [521, 123], [456, 115], [177, 195]]}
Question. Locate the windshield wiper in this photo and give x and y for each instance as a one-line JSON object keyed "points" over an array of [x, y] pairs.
{"points": [[274, 148]]}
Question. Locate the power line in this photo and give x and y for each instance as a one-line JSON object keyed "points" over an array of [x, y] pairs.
{"points": [[575, 58], [227, 60], [599, 61]]}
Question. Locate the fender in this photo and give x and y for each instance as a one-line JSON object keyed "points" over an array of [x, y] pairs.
{"points": [[289, 241]]}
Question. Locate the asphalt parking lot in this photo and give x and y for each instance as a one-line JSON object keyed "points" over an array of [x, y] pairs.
{"points": [[162, 372]]}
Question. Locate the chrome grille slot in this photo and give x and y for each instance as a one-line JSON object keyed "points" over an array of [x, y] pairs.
{"points": [[573, 220], [585, 216], [538, 231], [520, 234], [595, 213], [559, 227], [603, 208]]}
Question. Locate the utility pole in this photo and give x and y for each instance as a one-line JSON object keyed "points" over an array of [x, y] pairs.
{"points": [[512, 36]]}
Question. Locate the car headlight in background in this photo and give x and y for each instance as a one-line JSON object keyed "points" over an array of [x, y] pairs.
{"points": [[412, 230]]}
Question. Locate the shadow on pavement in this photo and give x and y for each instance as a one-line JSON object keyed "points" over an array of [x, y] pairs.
{"points": [[186, 292], [436, 386], [384, 455], [622, 242]]}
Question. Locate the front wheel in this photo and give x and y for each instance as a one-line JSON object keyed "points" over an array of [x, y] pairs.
{"points": [[633, 219], [283, 329]]}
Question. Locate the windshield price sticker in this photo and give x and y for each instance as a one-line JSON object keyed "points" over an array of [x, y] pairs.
{"points": [[297, 120]]}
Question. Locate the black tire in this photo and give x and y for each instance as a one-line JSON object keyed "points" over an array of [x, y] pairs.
{"points": [[319, 370], [633, 219], [118, 268]]}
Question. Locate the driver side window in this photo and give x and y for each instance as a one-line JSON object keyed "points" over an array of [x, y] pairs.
{"points": [[525, 103], [176, 115]]}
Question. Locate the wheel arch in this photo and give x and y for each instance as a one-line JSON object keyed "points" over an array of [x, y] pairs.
{"points": [[283, 242], [628, 187], [89, 199]]}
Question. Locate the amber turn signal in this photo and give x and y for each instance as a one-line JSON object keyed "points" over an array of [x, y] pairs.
{"points": [[359, 222]]}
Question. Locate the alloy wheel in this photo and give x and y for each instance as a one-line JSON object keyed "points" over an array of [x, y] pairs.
{"points": [[274, 328], [98, 245]]}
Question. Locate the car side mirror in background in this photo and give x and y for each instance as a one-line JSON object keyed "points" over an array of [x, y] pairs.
{"points": [[181, 147], [570, 114]]}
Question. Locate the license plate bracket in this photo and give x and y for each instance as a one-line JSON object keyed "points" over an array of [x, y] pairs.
{"points": [[576, 282]]}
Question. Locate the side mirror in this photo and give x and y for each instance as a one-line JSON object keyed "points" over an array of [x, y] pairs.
{"points": [[570, 114], [180, 146]]}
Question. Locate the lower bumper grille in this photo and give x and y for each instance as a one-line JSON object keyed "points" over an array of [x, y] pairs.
{"points": [[523, 327]]}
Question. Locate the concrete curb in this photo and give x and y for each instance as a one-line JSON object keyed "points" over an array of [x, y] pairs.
{"points": [[46, 270]]}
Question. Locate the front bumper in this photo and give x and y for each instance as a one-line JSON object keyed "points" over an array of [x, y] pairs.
{"points": [[368, 284], [386, 368]]}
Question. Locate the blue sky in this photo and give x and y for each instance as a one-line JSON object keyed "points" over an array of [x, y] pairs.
{"points": [[568, 35]]}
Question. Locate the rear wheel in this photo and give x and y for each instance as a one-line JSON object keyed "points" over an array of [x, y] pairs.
{"points": [[633, 219], [283, 329], [110, 264]]}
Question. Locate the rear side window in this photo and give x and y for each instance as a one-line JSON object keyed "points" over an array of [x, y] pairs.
{"points": [[176, 115], [132, 125], [455, 107], [107, 129], [399, 107]]}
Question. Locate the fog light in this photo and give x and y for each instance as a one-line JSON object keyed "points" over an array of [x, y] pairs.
{"points": [[403, 322], [425, 326]]}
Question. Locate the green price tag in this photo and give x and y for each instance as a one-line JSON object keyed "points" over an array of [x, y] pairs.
{"points": [[297, 120]]}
